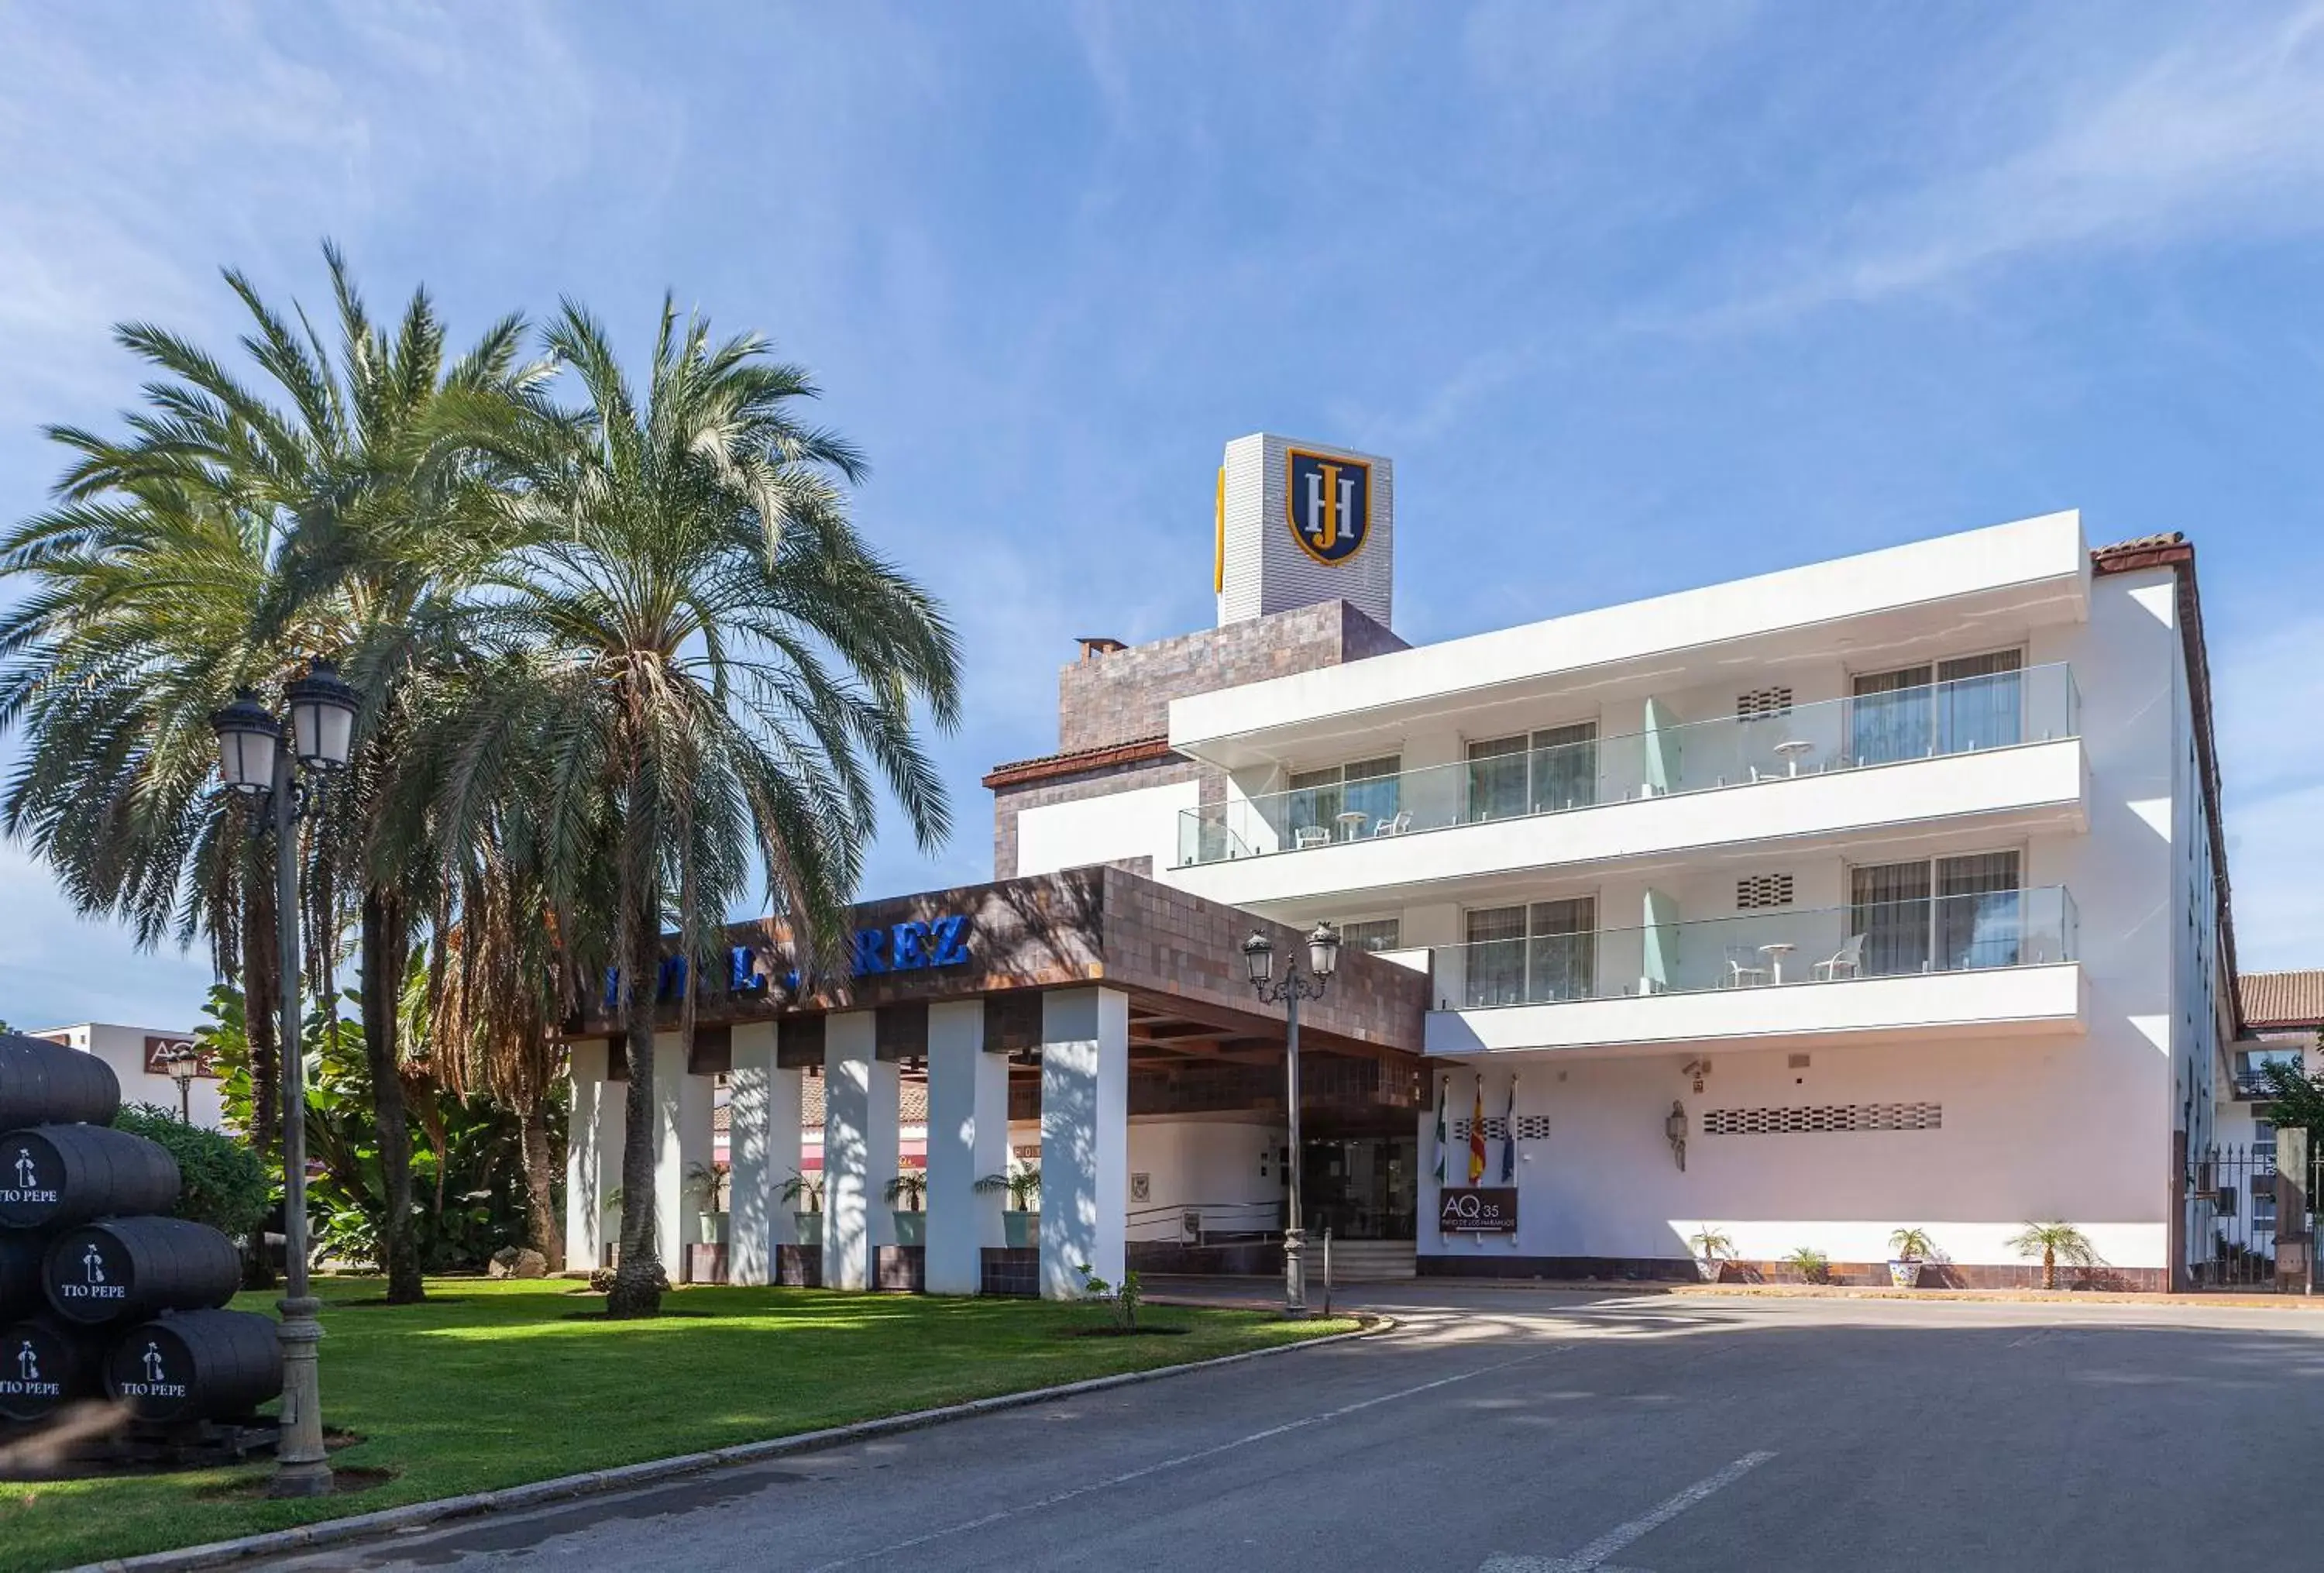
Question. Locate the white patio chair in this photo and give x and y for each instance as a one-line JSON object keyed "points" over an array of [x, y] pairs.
{"points": [[1308, 835], [1739, 974], [1395, 827], [1848, 961]]}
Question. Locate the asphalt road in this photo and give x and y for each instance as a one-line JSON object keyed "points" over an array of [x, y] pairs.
{"points": [[1525, 1431]]}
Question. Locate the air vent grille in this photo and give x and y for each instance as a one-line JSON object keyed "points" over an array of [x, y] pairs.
{"points": [[1823, 1120], [1761, 703], [1763, 890]]}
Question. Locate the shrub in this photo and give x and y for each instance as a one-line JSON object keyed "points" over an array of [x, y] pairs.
{"points": [[225, 1184], [1811, 1265]]}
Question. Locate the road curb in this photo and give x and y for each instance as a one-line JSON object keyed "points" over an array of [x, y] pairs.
{"points": [[653, 1471]]}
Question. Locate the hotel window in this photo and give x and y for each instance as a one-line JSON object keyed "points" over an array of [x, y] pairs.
{"points": [[1532, 955], [1371, 934], [1533, 772], [1951, 914], [1318, 798], [1953, 707]]}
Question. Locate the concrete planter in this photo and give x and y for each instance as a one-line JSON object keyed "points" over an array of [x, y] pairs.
{"points": [[1904, 1274], [1712, 1271], [714, 1228], [911, 1227], [1020, 1231], [809, 1227]]}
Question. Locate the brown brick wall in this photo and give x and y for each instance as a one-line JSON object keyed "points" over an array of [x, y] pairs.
{"points": [[1125, 695]]}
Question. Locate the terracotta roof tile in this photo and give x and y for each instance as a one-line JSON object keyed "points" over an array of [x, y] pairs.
{"points": [[911, 1106], [1048, 766], [2281, 999]]}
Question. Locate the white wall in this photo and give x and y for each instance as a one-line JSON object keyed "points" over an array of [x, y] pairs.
{"points": [[1224, 1166], [1139, 823], [123, 1049]]}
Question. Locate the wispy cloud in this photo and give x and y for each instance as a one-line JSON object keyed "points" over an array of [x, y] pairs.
{"points": [[2218, 132]]}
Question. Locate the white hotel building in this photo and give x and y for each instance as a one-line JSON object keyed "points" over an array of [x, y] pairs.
{"points": [[1874, 894]]}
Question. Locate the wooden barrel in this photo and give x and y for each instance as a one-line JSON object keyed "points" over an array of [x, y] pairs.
{"points": [[47, 1084], [202, 1365], [45, 1365], [53, 1177], [126, 1268], [20, 1275]]}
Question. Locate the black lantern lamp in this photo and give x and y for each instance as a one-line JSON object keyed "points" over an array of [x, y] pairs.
{"points": [[1258, 957], [323, 718], [1323, 950], [247, 738]]}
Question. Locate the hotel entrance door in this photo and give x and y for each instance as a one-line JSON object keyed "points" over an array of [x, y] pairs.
{"points": [[1362, 1187]]}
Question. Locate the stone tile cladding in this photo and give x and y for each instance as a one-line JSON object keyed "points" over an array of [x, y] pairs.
{"points": [[1126, 695]]}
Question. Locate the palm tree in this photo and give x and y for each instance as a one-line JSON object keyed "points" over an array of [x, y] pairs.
{"points": [[2055, 1243], [333, 525], [707, 669], [148, 590]]}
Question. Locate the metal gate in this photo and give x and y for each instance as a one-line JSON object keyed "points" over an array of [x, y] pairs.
{"points": [[2237, 1216]]}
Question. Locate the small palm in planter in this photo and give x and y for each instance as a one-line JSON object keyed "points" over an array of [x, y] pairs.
{"points": [[1712, 1251], [707, 1184], [1908, 1250], [907, 1194], [1022, 1221], [804, 1192], [1811, 1265], [2055, 1243]]}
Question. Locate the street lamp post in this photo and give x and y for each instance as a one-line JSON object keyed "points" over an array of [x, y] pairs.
{"points": [[267, 775], [181, 1063], [1323, 960]]}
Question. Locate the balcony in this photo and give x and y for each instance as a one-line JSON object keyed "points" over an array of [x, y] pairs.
{"points": [[2003, 744], [1987, 963]]}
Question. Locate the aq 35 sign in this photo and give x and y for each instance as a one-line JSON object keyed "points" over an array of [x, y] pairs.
{"points": [[1477, 1210]]}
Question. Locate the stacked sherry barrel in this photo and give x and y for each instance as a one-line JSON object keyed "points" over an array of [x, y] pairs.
{"points": [[101, 1293]]}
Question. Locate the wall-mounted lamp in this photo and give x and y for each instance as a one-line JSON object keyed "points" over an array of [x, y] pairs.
{"points": [[1675, 1129]]}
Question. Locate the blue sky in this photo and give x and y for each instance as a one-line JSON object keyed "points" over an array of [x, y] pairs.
{"points": [[1638, 296]]}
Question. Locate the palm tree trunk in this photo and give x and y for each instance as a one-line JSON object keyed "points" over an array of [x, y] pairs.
{"points": [[638, 1278], [540, 1193], [2049, 1267], [386, 951], [260, 1003]]}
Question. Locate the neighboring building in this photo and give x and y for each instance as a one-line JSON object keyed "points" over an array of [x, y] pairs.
{"points": [[140, 1058], [1880, 892], [2236, 1210]]}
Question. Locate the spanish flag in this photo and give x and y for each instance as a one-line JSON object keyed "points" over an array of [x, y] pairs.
{"points": [[1477, 1136]]}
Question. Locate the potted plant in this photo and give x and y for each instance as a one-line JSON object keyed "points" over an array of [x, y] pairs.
{"points": [[707, 1184], [2055, 1243], [907, 1194], [1712, 1251], [1021, 1224], [1908, 1248], [1811, 1265], [804, 1192]]}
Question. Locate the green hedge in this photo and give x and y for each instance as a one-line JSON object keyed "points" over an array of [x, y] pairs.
{"points": [[225, 1186]]}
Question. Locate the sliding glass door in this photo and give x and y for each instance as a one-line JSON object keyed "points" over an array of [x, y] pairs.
{"points": [[1953, 914], [1952, 706]]}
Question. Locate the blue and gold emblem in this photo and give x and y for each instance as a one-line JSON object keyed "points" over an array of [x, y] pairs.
{"points": [[1329, 500]]}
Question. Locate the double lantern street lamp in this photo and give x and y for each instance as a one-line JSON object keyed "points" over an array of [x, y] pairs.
{"points": [[267, 777], [1323, 960], [181, 1063]]}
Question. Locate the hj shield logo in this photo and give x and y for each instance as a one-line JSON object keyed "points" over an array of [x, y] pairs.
{"points": [[1329, 502]]}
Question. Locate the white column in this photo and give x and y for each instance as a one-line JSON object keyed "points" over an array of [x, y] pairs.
{"points": [[584, 1192], [681, 1141], [968, 1139], [762, 1149], [1084, 1136], [859, 1148]]}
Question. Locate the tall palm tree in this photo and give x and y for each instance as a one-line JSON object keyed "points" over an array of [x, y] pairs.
{"points": [[352, 516], [709, 671]]}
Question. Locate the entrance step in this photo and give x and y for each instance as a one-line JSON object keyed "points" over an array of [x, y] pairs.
{"points": [[1364, 1261]]}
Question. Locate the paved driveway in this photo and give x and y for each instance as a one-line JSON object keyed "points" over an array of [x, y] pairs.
{"points": [[1522, 1431]]}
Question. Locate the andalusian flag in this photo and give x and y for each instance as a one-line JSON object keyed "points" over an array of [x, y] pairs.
{"points": [[1509, 1138], [1442, 1143], [1477, 1136]]}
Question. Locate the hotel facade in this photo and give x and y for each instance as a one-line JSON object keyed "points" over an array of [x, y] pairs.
{"points": [[1879, 894]]}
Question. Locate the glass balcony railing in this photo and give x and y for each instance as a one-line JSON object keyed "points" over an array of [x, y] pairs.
{"points": [[2001, 710], [1767, 949]]}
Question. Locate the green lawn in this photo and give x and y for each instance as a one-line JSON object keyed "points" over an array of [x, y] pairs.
{"points": [[495, 1384]]}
